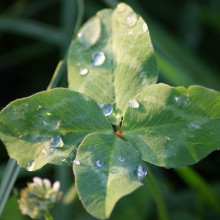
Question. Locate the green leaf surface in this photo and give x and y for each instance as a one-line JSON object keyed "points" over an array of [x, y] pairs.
{"points": [[47, 127], [174, 127], [126, 64], [105, 169]]}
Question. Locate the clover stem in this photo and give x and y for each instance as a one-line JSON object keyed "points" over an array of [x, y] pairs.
{"points": [[161, 207]]}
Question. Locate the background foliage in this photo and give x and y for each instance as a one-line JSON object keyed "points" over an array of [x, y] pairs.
{"points": [[34, 36]]}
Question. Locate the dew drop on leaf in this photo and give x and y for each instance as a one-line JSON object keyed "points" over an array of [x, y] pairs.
{"points": [[132, 19], [83, 71], [141, 172], [134, 103], [121, 159], [90, 33], [98, 58], [107, 109], [30, 166], [144, 27], [99, 163], [76, 162], [56, 141], [176, 99], [194, 125], [63, 159]]}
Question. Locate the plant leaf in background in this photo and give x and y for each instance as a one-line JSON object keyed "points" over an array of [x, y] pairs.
{"points": [[174, 127], [112, 59], [47, 127]]}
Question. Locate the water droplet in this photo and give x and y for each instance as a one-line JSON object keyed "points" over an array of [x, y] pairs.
{"points": [[56, 141], [194, 125], [30, 166], [63, 159], [99, 163], [121, 159], [181, 101], [90, 33], [98, 58], [134, 103], [51, 125], [83, 71], [132, 19], [39, 107], [141, 172], [76, 162], [120, 7], [107, 109], [144, 27], [176, 99], [167, 138]]}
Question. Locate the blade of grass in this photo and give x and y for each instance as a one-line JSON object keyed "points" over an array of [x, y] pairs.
{"points": [[31, 29], [193, 179], [9, 178]]}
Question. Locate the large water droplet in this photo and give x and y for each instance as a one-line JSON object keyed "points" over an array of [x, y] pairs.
{"points": [[181, 101], [30, 166], [90, 33], [56, 141], [107, 109], [134, 103], [132, 19], [83, 71], [144, 27], [76, 162], [99, 163], [120, 7], [141, 172], [98, 58], [121, 159]]}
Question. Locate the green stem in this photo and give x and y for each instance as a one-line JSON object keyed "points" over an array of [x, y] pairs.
{"points": [[161, 207], [47, 216], [9, 178]]}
